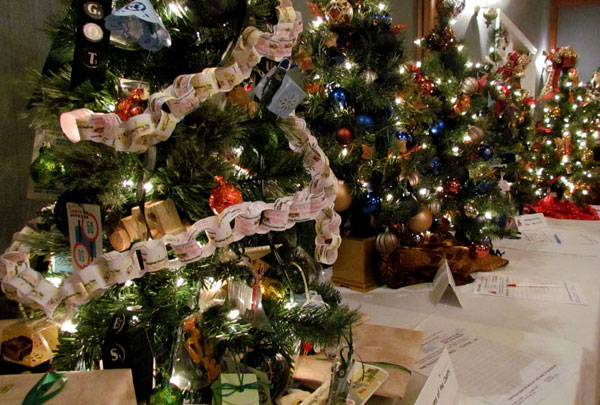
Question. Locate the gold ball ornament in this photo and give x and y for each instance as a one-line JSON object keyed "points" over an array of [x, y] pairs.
{"points": [[435, 207], [343, 198], [470, 210], [470, 85], [386, 242], [422, 221], [338, 12], [369, 76], [413, 179], [475, 134], [272, 289]]}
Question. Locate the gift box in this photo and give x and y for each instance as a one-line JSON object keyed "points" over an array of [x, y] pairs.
{"points": [[356, 264], [29, 343], [393, 349], [236, 389], [82, 387]]}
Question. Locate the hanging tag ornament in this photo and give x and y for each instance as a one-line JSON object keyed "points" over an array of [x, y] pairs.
{"points": [[138, 22]]}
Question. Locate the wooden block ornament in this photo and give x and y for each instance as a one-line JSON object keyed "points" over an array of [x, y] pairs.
{"points": [[162, 219]]}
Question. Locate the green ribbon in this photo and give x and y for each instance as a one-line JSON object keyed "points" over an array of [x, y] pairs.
{"points": [[39, 393], [378, 363], [220, 388], [236, 388], [390, 365]]}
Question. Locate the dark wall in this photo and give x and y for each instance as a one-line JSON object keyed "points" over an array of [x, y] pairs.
{"points": [[22, 46]]}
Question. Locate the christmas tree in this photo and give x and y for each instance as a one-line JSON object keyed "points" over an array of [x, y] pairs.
{"points": [[186, 207], [418, 147], [354, 53], [476, 117], [562, 164]]}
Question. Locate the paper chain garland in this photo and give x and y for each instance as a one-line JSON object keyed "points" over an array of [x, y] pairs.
{"points": [[168, 107], [315, 202]]}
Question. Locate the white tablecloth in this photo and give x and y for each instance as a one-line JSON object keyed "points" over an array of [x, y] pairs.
{"points": [[562, 333]]}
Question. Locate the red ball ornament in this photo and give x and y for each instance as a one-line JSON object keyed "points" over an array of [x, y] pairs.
{"points": [[479, 250], [344, 136], [223, 196], [451, 186], [130, 106]]}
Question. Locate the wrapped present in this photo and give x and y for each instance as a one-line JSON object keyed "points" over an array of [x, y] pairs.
{"points": [[29, 343], [81, 387], [236, 389], [393, 349]]}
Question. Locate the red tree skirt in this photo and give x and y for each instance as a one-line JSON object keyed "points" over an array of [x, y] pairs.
{"points": [[565, 209]]}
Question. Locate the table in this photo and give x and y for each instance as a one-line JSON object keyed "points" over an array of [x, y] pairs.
{"points": [[561, 333]]}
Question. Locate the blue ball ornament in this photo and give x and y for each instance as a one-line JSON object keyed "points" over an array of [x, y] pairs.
{"points": [[437, 128], [364, 120], [339, 96], [486, 152], [485, 188], [507, 157], [435, 165], [372, 204]]}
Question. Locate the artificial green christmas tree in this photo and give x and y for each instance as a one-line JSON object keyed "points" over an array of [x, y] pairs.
{"points": [[562, 164], [203, 199]]}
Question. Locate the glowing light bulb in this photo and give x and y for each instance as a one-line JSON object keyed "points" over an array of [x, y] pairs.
{"points": [[69, 327], [233, 314]]}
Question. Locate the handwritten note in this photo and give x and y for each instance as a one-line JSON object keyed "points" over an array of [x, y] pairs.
{"points": [[487, 370], [531, 221], [441, 388], [444, 287], [540, 290]]}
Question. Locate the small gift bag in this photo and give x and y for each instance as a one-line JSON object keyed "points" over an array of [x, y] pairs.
{"points": [[29, 343]]}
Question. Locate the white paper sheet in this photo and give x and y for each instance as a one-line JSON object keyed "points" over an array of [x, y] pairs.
{"points": [[540, 290], [489, 371], [554, 241]]}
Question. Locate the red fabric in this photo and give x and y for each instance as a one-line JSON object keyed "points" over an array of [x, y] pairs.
{"points": [[565, 209]]}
